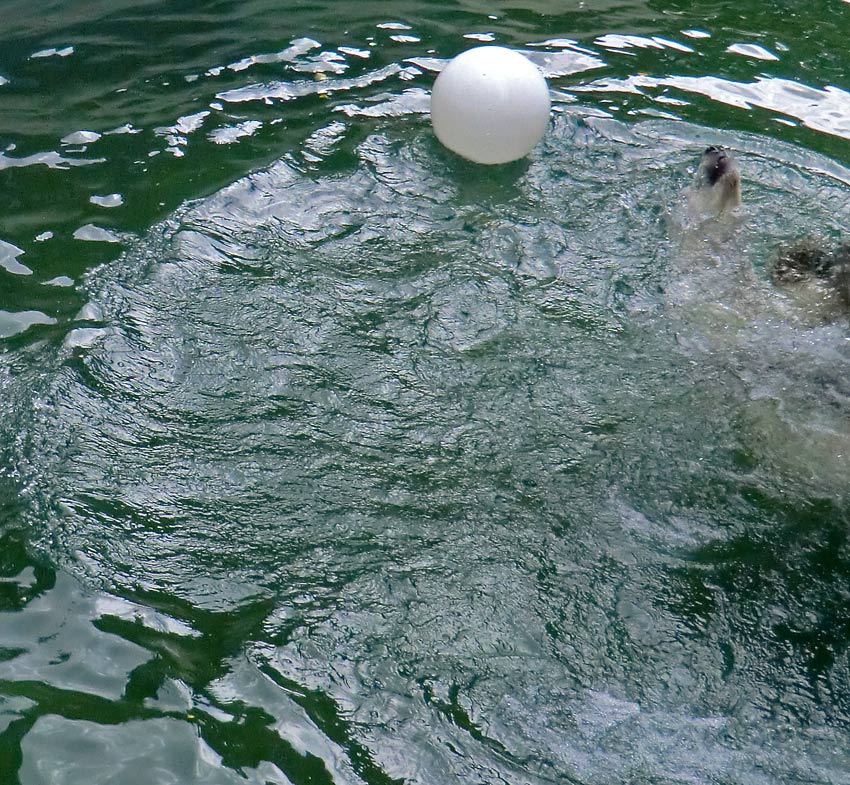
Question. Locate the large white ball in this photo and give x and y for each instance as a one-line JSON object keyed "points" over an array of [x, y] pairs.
{"points": [[490, 105]]}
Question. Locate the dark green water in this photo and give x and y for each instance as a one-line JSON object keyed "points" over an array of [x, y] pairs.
{"points": [[330, 458]]}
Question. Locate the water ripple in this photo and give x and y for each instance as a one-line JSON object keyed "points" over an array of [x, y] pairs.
{"points": [[377, 465]]}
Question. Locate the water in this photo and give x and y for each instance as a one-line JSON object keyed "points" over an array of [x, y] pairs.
{"points": [[331, 458]]}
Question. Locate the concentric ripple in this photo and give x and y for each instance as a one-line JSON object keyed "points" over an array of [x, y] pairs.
{"points": [[474, 462]]}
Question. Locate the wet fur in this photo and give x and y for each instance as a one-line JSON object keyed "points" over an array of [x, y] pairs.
{"points": [[807, 263], [788, 351]]}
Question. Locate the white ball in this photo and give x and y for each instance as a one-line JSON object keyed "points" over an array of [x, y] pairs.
{"points": [[490, 105]]}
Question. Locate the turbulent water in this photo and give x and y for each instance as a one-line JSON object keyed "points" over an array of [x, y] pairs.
{"points": [[332, 458]]}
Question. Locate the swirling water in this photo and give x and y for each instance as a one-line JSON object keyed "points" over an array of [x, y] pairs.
{"points": [[329, 457]]}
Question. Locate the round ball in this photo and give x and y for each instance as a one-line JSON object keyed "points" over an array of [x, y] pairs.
{"points": [[490, 105]]}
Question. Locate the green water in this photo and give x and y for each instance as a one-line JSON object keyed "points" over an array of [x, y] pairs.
{"points": [[330, 458]]}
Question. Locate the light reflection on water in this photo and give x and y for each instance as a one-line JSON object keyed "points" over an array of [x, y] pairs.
{"points": [[371, 465], [826, 110]]}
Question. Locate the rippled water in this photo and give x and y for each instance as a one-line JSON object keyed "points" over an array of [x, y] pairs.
{"points": [[329, 457]]}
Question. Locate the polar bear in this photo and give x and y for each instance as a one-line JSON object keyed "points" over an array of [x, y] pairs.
{"points": [[717, 184]]}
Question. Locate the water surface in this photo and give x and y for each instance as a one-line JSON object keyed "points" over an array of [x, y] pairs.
{"points": [[329, 457]]}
